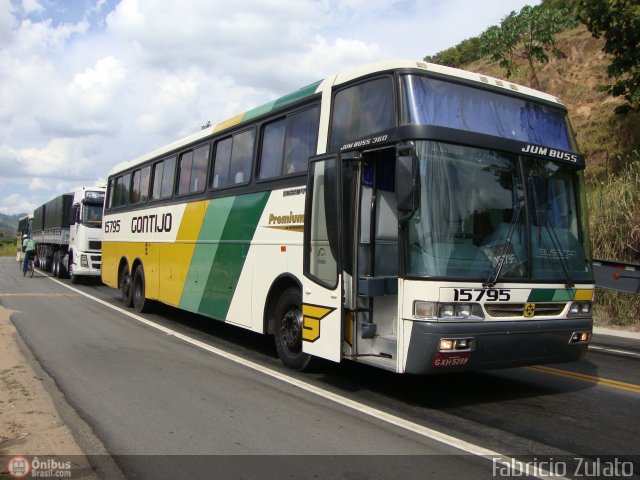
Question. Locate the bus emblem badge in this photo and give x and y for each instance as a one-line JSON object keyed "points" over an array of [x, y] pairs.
{"points": [[529, 310]]}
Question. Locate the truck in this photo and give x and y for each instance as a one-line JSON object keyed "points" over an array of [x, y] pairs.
{"points": [[67, 231]]}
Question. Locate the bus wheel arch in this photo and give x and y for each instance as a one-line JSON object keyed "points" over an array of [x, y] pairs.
{"points": [[278, 287]]}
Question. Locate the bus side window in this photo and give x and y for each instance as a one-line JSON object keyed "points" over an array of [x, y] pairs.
{"points": [[135, 186], [287, 143], [302, 139], [121, 191], [145, 176], [157, 180], [222, 159], [361, 110], [163, 173], [241, 156], [233, 160], [199, 169], [272, 149], [184, 172]]}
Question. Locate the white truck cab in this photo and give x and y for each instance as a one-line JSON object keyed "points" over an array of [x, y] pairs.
{"points": [[85, 233]]}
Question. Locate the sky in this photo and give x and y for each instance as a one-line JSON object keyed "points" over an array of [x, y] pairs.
{"points": [[87, 84]]}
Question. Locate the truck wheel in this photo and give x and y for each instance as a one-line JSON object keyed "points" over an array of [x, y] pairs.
{"points": [[140, 302], [126, 287], [62, 268], [288, 334], [56, 264], [73, 276]]}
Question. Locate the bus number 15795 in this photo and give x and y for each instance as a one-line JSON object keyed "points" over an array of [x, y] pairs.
{"points": [[477, 294]]}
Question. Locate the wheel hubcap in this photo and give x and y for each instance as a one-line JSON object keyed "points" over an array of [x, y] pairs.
{"points": [[291, 329]]}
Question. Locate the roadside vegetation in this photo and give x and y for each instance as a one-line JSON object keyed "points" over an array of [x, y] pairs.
{"points": [[8, 248], [593, 64]]}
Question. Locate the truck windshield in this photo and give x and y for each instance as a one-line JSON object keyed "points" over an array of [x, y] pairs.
{"points": [[479, 207], [92, 215]]}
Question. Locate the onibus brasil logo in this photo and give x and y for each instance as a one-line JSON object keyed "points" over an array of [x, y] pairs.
{"points": [[20, 466]]}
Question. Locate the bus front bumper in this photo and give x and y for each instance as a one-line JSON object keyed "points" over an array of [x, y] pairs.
{"points": [[493, 345]]}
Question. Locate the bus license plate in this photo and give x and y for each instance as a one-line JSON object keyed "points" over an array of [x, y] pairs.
{"points": [[451, 359]]}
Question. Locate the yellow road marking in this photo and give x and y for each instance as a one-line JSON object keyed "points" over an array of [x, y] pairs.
{"points": [[630, 387], [39, 295]]}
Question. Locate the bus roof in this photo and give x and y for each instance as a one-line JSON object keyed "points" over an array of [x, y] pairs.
{"points": [[328, 83]]}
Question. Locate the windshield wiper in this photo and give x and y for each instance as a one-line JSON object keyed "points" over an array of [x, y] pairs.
{"points": [[497, 269], [541, 216]]}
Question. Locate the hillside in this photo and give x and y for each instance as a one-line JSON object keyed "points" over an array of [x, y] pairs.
{"points": [[9, 225], [602, 135], [611, 144]]}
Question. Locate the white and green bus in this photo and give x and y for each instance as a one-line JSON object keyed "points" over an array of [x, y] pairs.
{"points": [[405, 215]]}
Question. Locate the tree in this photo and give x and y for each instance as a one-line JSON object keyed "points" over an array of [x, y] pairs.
{"points": [[527, 35], [619, 22], [462, 54]]}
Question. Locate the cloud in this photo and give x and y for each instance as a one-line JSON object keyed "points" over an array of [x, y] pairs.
{"points": [[39, 184], [85, 87], [17, 203]]}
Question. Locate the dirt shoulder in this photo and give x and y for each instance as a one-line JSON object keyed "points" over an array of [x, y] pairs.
{"points": [[30, 424]]}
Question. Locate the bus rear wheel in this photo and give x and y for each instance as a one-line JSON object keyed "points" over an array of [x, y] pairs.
{"points": [[288, 332], [140, 302]]}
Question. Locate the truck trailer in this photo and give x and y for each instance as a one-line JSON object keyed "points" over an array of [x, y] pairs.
{"points": [[67, 231]]}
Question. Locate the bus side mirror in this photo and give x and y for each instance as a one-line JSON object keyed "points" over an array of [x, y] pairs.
{"points": [[407, 187]]}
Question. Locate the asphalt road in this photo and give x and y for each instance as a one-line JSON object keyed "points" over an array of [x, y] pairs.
{"points": [[166, 408]]}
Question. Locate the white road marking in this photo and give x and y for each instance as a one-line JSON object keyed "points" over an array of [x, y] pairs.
{"points": [[613, 350], [498, 459]]}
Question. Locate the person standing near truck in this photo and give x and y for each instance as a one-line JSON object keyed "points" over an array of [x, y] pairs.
{"points": [[29, 251]]}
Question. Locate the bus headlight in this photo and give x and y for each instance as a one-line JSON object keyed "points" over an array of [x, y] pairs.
{"points": [[580, 308], [424, 309], [447, 311], [83, 261]]}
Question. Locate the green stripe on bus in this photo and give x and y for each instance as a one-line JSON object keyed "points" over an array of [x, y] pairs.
{"points": [[282, 101], [231, 253], [550, 295], [213, 224]]}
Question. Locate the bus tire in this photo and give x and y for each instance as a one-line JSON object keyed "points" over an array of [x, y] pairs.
{"points": [[140, 302], [126, 287], [288, 331]]}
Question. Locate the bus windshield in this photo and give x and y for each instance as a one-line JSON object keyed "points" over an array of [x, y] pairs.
{"points": [[428, 101], [480, 207]]}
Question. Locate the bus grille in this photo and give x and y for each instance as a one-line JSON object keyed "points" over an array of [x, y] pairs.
{"points": [[503, 310], [95, 245]]}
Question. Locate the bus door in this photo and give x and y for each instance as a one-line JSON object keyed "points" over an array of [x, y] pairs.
{"points": [[322, 300], [375, 264]]}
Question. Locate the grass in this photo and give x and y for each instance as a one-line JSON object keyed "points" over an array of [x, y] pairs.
{"points": [[8, 249], [614, 218]]}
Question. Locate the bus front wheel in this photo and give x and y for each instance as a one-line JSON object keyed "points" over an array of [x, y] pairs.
{"points": [[288, 331], [126, 287]]}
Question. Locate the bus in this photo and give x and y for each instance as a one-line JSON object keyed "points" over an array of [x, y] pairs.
{"points": [[405, 215]]}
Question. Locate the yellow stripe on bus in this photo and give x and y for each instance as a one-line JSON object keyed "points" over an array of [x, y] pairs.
{"points": [[176, 257]]}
